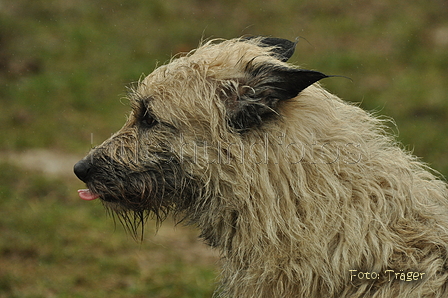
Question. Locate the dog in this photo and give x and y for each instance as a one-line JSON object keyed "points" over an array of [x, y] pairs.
{"points": [[303, 194]]}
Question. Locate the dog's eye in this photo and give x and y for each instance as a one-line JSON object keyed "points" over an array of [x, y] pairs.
{"points": [[148, 120]]}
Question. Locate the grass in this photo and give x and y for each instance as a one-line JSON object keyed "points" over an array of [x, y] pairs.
{"points": [[64, 66]]}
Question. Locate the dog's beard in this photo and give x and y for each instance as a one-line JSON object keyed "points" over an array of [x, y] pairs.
{"points": [[135, 195]]}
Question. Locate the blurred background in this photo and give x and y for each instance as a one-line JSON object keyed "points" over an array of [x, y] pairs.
{"points": [[64, 68]]}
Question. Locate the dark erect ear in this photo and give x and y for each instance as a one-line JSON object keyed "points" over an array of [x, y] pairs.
{"points": [[252, 100], [282, 49]]}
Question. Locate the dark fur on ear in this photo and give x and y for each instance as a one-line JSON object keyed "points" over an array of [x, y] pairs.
{"points": [[254, 99], [283, 49]]}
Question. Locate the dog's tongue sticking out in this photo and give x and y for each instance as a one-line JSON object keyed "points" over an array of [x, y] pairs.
{"points": [[87, 195]]}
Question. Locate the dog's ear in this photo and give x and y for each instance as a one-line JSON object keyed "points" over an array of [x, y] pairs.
{"points": [[253, 99], [282, 49]]}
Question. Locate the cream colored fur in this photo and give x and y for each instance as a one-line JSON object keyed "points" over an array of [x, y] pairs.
{"points": [[299, 202]]}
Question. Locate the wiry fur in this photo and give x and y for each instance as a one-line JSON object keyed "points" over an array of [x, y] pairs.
{"points": [[294, 193]]}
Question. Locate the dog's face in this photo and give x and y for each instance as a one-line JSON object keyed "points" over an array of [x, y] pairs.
{"points": [[218, 94]]}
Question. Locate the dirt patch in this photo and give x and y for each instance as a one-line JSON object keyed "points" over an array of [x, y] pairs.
{"points": [[48, 162]]}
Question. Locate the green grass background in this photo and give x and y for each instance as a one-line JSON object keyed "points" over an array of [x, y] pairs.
{"points": [[64, 66]]}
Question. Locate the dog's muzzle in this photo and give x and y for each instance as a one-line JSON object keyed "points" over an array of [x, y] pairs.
{"points": [[82, 170]]}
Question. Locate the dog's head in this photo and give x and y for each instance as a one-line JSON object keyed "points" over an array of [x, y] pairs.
{"points": [[185, 117]]}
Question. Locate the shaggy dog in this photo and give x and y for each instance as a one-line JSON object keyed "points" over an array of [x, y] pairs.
{"points": [[303, 194]]}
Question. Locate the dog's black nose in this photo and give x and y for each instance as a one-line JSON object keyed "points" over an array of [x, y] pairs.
{"points": [[82, 169]]}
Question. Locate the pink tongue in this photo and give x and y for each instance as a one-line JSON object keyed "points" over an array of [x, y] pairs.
{"points": [[87, 195]]}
